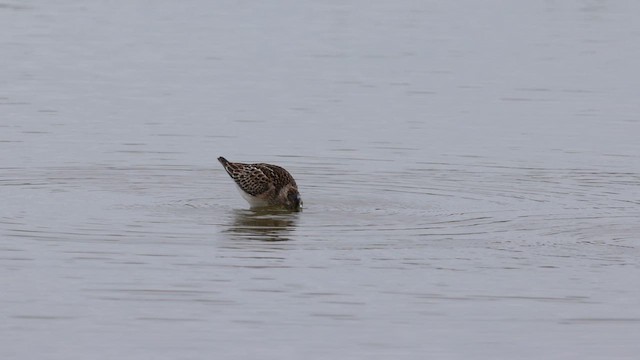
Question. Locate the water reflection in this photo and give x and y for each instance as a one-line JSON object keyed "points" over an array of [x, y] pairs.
{"points": [[263, 224]]}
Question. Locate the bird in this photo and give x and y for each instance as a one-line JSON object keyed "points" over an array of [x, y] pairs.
{"points": [[264, 185]]}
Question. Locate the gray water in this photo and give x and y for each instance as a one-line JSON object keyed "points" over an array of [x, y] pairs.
{"points": [[470, 172]]}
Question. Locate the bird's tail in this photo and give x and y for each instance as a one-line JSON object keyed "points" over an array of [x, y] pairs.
{"points": [[223, 161], [228, 166]]}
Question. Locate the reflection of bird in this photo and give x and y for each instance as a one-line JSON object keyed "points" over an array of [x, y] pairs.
{"points": [[264, 184], [263, 225]]}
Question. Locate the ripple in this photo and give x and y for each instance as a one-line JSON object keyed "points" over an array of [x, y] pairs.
{"points": [[428, 201]]}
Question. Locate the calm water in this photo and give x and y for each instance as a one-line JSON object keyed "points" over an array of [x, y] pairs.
{"points": [[470, 172]]}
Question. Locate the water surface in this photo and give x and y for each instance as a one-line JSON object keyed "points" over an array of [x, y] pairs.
{"points": [[470, 173]]}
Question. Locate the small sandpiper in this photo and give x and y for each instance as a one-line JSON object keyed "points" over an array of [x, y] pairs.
{"points": [[264, 184]]}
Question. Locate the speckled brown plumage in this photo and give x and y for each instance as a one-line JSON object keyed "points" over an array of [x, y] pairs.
{"points": [[264, 184]]}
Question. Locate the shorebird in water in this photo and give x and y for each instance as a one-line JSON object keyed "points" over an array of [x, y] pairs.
{"points": [[264, 185]]}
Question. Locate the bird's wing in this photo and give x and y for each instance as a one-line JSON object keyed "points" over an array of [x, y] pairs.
{"points": [[277, 175], [250, 178]]}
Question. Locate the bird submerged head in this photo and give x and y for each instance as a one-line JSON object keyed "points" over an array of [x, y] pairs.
{"points": [[293, 200]]}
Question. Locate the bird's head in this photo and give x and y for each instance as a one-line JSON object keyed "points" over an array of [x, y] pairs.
{"points": [[294, 201]]}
